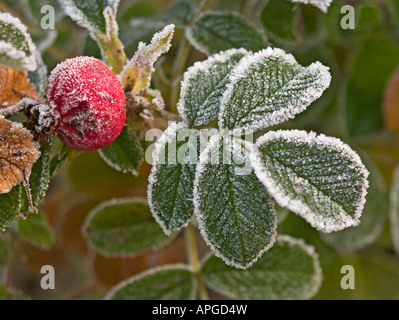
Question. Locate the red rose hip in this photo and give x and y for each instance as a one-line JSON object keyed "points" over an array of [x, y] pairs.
{"points": [[88, 102]]}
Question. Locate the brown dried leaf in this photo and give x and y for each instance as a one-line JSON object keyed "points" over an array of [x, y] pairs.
{"points": [[18, 152], [14, 86], [391, 104]]}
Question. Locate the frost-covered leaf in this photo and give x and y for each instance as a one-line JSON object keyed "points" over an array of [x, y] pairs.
{"points": [[35, 230], [171, 182], [136, 75], [3, 252], [39, 180], [16, 47], [319, 178], [268, 88], [203, 86], [18, 152], [323, 5], [125, 154], [39, 77], [214, 32], [372, 220], [235, 213], [7, 293], [289, 270], [10, 205], [15, 89], [123, 227], [90, 14], [394, 210], [173, 282]]}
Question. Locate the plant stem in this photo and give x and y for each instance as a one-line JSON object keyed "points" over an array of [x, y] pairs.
{"points": [[178, 68], [194, 261]]}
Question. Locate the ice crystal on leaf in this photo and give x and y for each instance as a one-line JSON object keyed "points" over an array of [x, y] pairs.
{"points": [[323, 5], [16, 47], [203, 86], [268, 88], [318, 177]]}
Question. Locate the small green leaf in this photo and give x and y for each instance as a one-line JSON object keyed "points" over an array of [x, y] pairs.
{"points": [[123, 227], [89, 14], [10, 205], [171, 182], [317, 177], [394, 210], [279, 18], [215, 32], [203, 86], [39, 77], [36, 231], [136, 74], [125, 154], [3, 252], [235, 213], [289, 270], [174, 282], [16, 47], [10, 293], [269, 88]]}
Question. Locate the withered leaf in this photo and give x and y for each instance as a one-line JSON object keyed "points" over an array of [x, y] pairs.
{"points": [[18, 152], [391, 104], [14, 86]]}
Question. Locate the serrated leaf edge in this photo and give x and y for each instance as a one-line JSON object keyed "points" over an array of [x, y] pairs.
{"points": [[309, 249], [286, 202], [221, 57], [165, 138], [204, 157]]}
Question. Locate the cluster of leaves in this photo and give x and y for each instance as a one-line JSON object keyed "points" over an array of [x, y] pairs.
{"points": [[230, 185]]}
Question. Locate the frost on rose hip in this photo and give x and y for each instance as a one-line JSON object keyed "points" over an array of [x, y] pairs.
{"points": [[88, 102]]}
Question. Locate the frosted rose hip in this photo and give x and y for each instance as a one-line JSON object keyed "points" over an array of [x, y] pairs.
{"points": [[88, 102]]}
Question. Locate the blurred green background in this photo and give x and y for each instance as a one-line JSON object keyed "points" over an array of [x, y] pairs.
{"points": [[359, 108]]}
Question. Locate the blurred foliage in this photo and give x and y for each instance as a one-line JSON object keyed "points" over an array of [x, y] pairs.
{"points": [[362, 63]]}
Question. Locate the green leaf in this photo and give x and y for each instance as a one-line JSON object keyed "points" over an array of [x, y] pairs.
{"points": [[370, 71], [174, 282], [215, 32], [39, 77], [394, 210], [279, 18], [317, 177], [125, 154], [234, 211], [371, 223], [269, 88], [90, 14], [10, 205], [171, 182], [3, 252], [123, 227], [16, 47], [289, 270], [203, 86], [10, 293], [35, 230], [39, 180]]}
